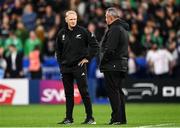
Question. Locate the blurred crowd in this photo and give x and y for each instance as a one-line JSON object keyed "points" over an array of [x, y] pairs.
{"points": [[28, 30]]}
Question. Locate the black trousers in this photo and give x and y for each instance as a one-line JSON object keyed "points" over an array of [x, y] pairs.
{"points": [[80, 75], [114, 82], [36, 74]]}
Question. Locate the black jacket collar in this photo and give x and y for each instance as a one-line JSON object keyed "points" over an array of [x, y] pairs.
{"points": [[120, 22]]}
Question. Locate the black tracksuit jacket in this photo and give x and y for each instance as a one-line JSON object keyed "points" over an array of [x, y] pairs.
{"points": [[114, 47], [73, 46]]}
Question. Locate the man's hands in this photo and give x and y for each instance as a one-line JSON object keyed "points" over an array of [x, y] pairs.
{"points": [[82, 62]]}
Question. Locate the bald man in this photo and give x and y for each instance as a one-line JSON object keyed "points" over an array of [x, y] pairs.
{"points": [[75, 47]]}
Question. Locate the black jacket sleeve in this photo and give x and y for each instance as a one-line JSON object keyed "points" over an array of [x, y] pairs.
{"points": [[93, 45], [58, 47], [20, 61], [111, 43]]}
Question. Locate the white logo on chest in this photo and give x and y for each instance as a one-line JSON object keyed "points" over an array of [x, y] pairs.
{"points": [[78, 36], [83, 74], [63, 37]]}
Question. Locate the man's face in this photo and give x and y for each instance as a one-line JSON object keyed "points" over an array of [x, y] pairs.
{"points": [[12, 49], [108, 18], [71, 20]]}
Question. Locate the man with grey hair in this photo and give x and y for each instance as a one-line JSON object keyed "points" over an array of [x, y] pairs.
{"points": [[114, 63], [75, 47], [113, 12]]}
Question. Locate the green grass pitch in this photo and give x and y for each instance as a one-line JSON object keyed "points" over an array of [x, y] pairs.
{"points": [[138, 115]]}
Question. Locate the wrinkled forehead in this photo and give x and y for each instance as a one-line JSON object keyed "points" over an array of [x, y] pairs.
{"points": [[71, 16], [106, 14]]}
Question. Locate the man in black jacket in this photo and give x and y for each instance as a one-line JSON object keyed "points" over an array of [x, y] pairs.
{"points": [[114, 63], [14, 63], [75, 47]]}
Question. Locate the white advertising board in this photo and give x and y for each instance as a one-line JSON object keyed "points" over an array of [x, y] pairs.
{"points": [[14, 91]]}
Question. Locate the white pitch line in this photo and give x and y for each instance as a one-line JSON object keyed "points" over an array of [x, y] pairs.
{"points": [[145, 126], [156, 125]]}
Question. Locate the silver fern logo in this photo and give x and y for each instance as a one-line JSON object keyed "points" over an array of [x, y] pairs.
{"points": [[63, 37]]}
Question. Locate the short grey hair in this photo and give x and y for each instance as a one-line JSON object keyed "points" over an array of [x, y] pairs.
{"points": [[113, 12]]}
